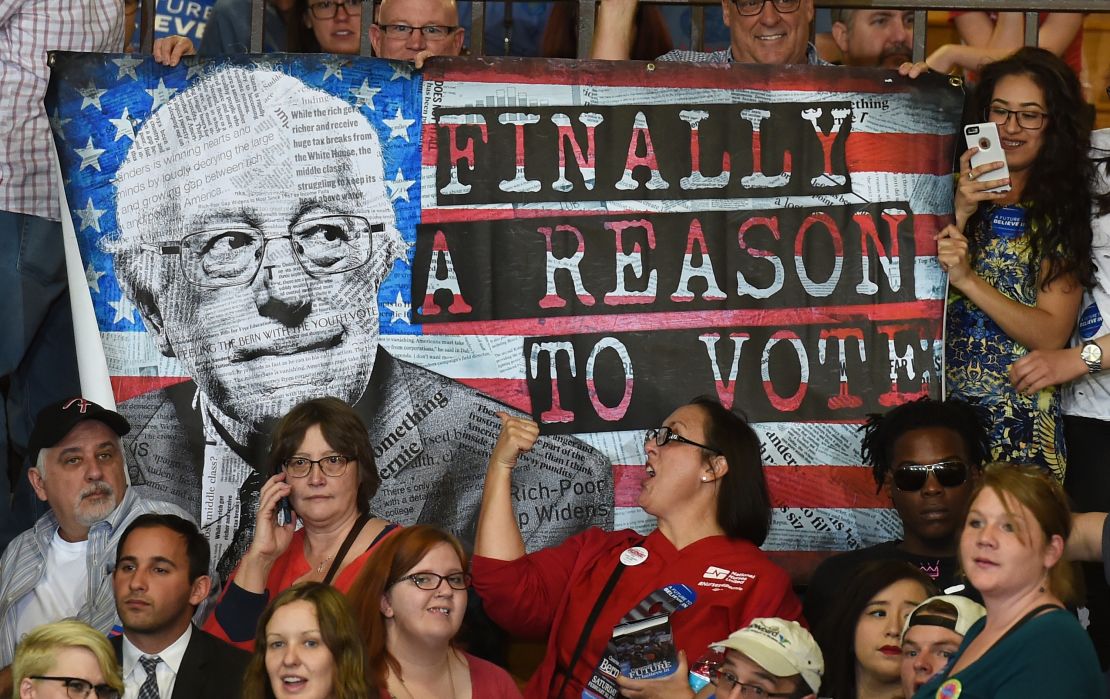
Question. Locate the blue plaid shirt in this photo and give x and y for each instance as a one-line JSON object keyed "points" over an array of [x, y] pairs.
{"points": [[725, 56]]}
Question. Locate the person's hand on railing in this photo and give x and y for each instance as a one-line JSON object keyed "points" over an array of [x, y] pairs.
{"points": [[615, 31], [169, 50]]}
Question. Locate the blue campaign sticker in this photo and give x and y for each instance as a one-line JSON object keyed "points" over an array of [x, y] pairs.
{"points": [[1008, 222], [1090, 322], [681, 594]]}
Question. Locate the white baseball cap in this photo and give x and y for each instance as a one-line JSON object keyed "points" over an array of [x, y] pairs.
{"points": [[967, 613], [782, 648]]}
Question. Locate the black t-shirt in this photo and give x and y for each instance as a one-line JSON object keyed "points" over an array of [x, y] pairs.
{"points": [[836, 572]]}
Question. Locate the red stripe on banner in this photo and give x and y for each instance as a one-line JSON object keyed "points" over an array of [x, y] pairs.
{"points": [[124, 387], [887, 152], [684, 320], [839, 487], [674, 74]]}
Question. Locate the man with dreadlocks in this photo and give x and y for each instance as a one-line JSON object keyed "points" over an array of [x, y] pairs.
{"points": [[926, 455]]}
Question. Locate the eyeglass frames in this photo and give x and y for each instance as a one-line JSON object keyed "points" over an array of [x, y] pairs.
{"points": [[432, 581], [431, 32], [725, 682], [663, 435], [332, 466], [77, 688], [750, 8], [1028, 119], [327, 9]]}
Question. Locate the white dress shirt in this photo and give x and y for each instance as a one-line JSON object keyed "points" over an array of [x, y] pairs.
{"points": [[134, 675]]}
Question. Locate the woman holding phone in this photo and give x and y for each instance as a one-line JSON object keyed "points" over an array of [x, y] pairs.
{"points": [[324, 466], [1017, 260]]}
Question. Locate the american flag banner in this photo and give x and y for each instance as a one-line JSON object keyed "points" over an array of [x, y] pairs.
{"points": [[626, 236], [591, 244]]}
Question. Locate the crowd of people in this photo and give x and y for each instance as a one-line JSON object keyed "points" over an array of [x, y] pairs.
{"points": [[109, 595]]}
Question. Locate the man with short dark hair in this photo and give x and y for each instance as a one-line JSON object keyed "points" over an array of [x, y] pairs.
{"points": [[58, 568], [873, 38], [161, 577]]}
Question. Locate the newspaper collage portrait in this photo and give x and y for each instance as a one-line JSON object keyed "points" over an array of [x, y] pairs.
{"points": [[434, 247]]}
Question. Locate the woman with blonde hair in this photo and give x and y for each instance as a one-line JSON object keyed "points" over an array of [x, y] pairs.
{"points": [[1011, 550], [65, 659], [409, 603], [307, 646]]}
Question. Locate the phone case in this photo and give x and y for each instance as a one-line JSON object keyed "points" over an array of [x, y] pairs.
{"points": [[985, 138]]}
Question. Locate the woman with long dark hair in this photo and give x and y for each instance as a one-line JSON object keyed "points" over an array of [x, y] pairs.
{"points": [[861, 641], [705, 487], [1018, 260]]}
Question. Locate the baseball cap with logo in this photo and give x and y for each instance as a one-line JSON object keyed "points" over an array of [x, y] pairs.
{"points": [[56, 420], [949, 611], [782, 648]]}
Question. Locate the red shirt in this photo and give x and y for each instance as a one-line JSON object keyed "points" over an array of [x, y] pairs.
{"points": [[550, 593]]}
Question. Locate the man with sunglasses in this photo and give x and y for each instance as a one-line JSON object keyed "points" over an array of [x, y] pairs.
{"points": [[766, 32], [926, 455]]}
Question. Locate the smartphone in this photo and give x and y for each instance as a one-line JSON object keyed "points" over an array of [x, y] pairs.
{"points": [[985, 138], [284, 510]]}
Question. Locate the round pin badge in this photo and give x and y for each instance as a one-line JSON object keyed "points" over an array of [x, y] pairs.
{"points": [[634, 556], [950, 690]]}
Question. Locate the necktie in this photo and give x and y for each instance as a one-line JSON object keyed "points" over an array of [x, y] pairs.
{"points": [[149, 690]]}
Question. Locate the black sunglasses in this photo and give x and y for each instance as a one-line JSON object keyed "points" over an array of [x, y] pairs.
{"points": [[912, 477]]}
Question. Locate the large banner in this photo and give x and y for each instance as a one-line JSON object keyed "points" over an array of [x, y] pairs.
{"points": [[592, 244]]}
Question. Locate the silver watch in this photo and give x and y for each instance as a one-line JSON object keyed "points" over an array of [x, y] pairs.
{"points": [[1091, 354]]}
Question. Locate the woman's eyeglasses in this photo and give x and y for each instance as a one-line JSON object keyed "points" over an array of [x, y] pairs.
{"points": [[662, 435], [1028, 119], [77, 688], [332, 466], [432, 581], [911, 477]]}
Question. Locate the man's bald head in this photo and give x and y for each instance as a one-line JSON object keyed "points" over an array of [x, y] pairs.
{"points": [[434, 29]]}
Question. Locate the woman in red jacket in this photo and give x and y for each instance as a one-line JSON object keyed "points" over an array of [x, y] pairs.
{"points": [[706, 488]]}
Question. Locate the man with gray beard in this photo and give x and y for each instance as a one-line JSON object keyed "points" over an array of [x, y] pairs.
{"points": [[62, 566]]}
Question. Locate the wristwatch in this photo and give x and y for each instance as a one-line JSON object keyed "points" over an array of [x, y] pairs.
{"points": [[1091, 354]]}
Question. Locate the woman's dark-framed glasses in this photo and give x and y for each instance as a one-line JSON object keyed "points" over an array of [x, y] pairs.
{"points": [[327, 9], [77, 688], [333, 466], [911, 477], [750, 8], [432, 581], [1028, 119], [662, 435], [725, 682]]}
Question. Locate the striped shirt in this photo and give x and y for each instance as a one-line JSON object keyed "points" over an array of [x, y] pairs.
{"points": [[28, 29], [24, 562], [725, 56]]}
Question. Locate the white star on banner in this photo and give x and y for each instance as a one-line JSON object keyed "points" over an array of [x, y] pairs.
{"points": [[126, 67], [365, 95], [401, 70], [160, 95], [124, 126], [90, 95], [90, 156], [406, 246], [125, 310], [399, 125], [92, 276], [399, 187], [400, 310], [333, 66], [194, 70], [90, 216], [57, 123]]}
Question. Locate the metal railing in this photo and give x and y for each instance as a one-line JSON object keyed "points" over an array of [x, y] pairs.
{"points": [[586, 18]]}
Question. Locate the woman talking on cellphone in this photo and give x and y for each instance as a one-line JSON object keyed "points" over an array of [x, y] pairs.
{"points": [[706, 488], [324, 465], [1017, 260]]}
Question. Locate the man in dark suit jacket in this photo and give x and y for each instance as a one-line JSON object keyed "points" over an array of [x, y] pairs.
{"points": [[160, 579]]}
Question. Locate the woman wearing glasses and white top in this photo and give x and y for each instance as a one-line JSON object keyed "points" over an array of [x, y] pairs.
{"points": [[409, 603], [706, 488], [1017, 261], [324, 469]]}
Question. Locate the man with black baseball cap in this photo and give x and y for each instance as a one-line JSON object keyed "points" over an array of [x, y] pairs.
{"points": [[62, 566]]}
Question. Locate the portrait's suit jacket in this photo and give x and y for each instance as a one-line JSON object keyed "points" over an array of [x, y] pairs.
{"points": [[210, 668]]}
